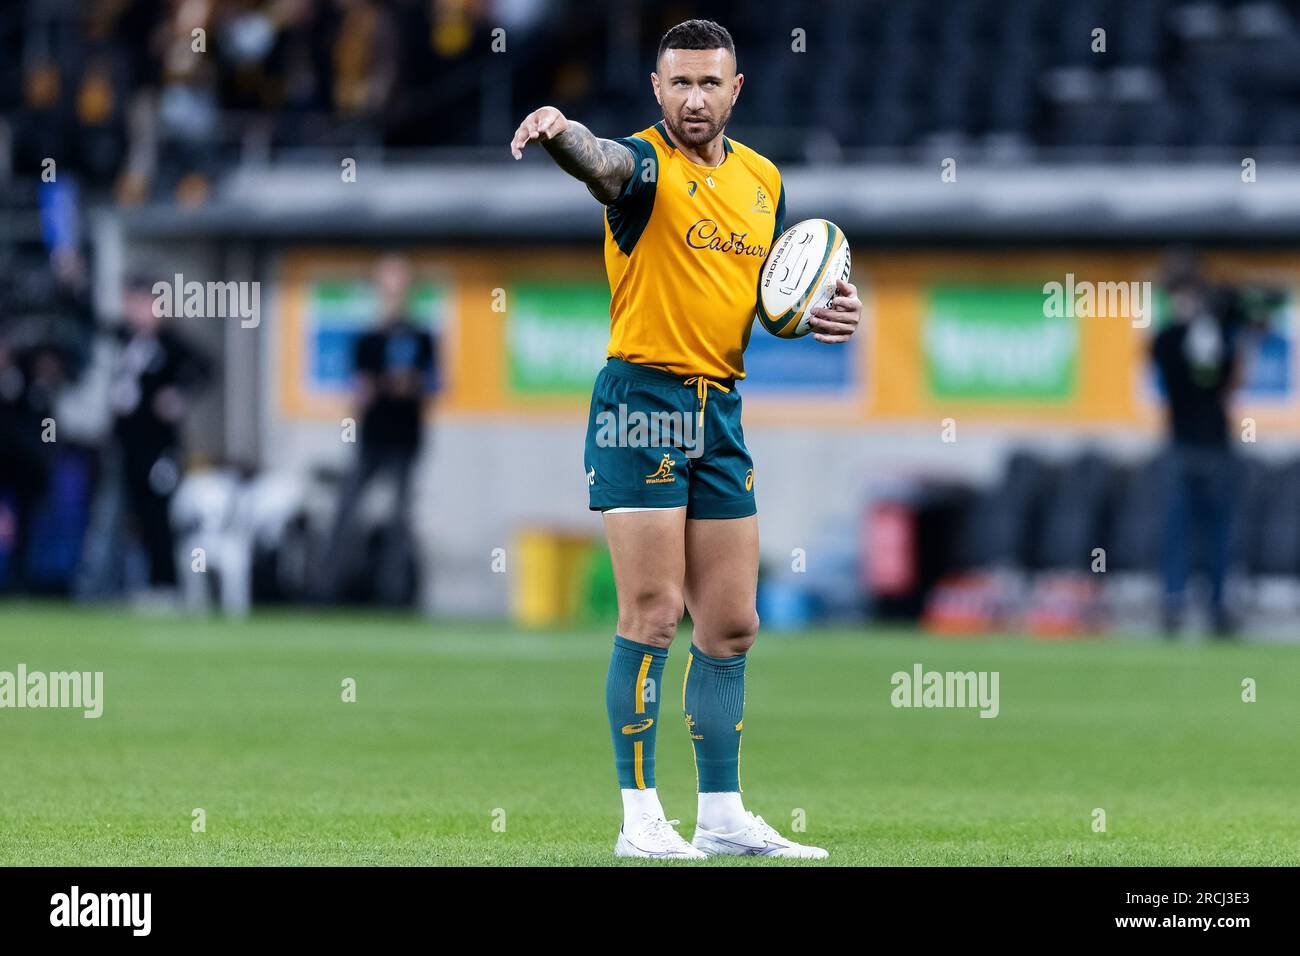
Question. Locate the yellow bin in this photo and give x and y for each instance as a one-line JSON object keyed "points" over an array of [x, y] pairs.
{"points": [[547, 583]]}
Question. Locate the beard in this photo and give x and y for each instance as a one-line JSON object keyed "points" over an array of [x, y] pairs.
{"points": [[696, 135]]}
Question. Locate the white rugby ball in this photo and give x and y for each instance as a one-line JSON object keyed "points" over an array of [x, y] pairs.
{"points": [[799, 275]]}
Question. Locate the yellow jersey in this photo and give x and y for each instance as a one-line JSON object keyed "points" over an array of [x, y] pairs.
{"points": [[684, 246]]}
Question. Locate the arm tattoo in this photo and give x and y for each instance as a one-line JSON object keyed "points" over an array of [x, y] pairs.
{"points": [[602, 164]]}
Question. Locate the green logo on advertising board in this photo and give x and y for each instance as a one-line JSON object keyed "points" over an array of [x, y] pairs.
{"points": [[995, 342], [556, 336]]}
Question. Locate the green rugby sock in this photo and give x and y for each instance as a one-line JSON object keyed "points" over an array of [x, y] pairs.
{"points": [[632, 701], [713, 699]]}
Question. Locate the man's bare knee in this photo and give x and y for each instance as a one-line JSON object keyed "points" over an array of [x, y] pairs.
{"points": [[652, 617], [730, 637]]}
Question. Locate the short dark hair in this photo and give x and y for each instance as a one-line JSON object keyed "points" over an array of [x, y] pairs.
{"points": [[696, 35]]}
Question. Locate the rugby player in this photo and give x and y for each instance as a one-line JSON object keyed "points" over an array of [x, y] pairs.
{"points": [[690, 216]]}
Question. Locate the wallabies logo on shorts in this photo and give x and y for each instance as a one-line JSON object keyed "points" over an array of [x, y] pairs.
{"points": [[664, 473]]}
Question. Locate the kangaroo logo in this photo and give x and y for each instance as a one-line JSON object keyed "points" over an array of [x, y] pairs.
{"points": [[664, 473], [690, 728]]}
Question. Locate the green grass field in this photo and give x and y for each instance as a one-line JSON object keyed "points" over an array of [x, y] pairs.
{"points": [[458, 726]]}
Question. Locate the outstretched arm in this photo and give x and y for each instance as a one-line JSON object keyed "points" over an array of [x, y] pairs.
{"points": [[602, 164]]}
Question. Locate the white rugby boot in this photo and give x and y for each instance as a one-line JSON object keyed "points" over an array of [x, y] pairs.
{"points": [[653, 836], [756, 839]]}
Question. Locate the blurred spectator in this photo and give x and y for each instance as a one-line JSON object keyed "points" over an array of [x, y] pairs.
{"points": [[155, 379], [1196, 356], [393, 370], [364, 58], [187, 103], [30, 379]]}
